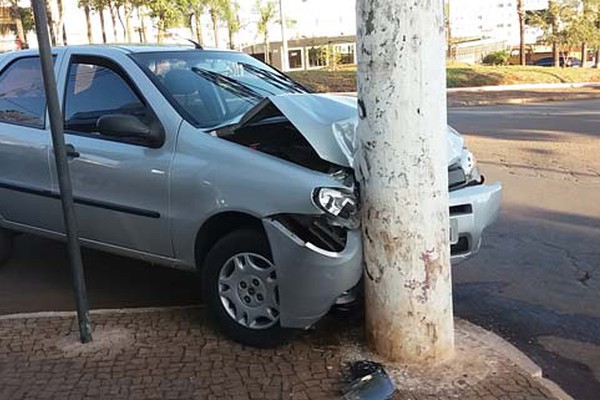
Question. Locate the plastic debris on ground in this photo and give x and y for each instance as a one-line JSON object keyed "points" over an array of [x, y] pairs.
{"points": [[367, 380]]}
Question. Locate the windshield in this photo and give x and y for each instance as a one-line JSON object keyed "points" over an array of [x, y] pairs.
{"points": [[215, 88]]}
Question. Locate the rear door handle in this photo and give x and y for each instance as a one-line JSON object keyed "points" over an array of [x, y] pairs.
{"points": [[71, 152]]}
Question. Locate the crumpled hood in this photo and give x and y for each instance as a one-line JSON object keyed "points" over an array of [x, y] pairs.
{"points": [[329, 122]]}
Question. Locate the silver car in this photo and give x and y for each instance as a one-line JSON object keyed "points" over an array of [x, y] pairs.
{"points": [[209, 161]]}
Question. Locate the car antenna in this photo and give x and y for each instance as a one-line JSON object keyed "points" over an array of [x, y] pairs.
{"points": [[197, 45]]}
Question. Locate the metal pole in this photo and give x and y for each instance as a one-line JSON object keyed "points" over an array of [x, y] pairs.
{"points": [[285, 64], [62, 169]]}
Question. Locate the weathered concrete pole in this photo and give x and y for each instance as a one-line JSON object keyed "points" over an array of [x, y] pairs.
{"points": [[404, 179]]}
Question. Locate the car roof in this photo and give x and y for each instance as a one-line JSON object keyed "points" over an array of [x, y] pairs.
{"points": [[128, 48]]}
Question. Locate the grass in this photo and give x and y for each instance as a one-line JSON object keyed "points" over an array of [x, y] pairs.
{"points": [[458, 75]]}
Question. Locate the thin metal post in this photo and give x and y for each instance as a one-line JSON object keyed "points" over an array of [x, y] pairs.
{"points": [[62, 169]]}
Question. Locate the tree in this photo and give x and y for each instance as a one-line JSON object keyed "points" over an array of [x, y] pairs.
{"points": [[51, 25], [401, 166], [559, 23], [87, 7], [22, 21], [233, 22], [217, 9], [167, 12], [112, 8], [99, 6], [521, 13], [192, 11], [62, 31], [266, 15], [128, 7]]}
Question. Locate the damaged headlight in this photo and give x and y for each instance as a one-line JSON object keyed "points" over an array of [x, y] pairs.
{"points": [[338, 203], [470, 167]]}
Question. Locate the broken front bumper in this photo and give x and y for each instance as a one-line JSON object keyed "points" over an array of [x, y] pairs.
{"points": [[311, 279], [472, 209]]}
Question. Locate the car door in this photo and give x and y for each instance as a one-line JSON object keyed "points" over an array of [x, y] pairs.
{"points": [[25, 183], [120, 184]]}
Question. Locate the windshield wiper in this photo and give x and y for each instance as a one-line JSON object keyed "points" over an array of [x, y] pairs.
{"points": [[228, 83], [279, 81]]}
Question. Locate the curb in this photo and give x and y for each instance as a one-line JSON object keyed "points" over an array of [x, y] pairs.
{"points": [[103, 311], [526, 86], [506, 88], [516, 356]]}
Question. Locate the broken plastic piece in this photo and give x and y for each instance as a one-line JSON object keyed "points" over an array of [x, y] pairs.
{"points": [[367, 380]]}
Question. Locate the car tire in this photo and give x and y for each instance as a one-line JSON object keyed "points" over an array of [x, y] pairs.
{"points": [[240, 286], [5, 246]]}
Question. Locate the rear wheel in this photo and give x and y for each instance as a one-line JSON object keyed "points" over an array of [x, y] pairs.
{"points": [[5, 245], [241, 288]]}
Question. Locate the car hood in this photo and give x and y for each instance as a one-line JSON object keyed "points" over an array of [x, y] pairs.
{"points": [[329, 122]]}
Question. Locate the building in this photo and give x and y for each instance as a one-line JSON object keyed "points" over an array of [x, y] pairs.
{"points": [[491, 19]]}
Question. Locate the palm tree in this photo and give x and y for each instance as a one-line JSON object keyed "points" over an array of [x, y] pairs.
{"points": [[217, 9], [266, 15], [50, 23], [99, 6], [86, 5], [192, 11], [521, 12], [233, 23]]}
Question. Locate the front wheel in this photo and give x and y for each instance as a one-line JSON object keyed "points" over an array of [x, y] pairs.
{"points": [[241, 288]]}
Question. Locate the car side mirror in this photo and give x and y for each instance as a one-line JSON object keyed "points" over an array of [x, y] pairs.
{"points": [[128, 126]]}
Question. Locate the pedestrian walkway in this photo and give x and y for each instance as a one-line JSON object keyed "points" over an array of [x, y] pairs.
{"points": [[179, 354]]}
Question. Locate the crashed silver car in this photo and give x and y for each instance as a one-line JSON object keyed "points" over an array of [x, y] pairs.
{"points": [[209, 161]]}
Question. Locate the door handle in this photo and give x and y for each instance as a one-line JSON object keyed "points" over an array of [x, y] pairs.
{"points": [[71, 152]]}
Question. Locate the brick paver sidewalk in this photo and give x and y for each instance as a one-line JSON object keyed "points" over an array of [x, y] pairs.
{"points": [[178, 354]]}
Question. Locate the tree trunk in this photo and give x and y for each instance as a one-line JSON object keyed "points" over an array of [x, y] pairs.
{"points": [[285, 57], [88, 22], [215, 22], [16, 15], [521, 12], [404, 179], [60, 24], [555, 55], [584, 51], [102, 26], [50, 23], [161, 29], [122, 23], [231, 38], [113, 20], [266, 49], [597, 62], [198, 26], [142, 26]]}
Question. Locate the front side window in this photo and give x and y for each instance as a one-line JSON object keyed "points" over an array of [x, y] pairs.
{"points": [[214, 88], [95, 90], [22, 95]]}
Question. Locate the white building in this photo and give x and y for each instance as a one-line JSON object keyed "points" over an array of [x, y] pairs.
{"points": [[491, 19]]}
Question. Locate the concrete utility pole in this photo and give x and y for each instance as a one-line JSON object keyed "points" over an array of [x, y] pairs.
{"points": [[285, 64], [402, 166]]}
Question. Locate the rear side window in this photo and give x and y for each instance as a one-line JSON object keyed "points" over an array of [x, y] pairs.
{"points": [[22, 96], [95, 90]]}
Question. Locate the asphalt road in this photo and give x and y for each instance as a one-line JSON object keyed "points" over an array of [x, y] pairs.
{"points": [[536, 280]]}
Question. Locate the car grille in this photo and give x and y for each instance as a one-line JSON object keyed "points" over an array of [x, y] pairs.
{"points": [[456, 177], [316, 230]]}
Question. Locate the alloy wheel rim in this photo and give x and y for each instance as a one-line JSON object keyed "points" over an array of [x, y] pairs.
{"points": [[248, 290]]}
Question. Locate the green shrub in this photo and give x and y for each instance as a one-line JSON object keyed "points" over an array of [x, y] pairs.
{"points": [[497, 58]]}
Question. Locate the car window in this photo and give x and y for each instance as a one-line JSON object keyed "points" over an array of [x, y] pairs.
{"points": [[96, 90], [22, 96], [214, 88]]}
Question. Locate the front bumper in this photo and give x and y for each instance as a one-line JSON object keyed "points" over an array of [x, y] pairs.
{"points": [[311, 279], [472, 209]]}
